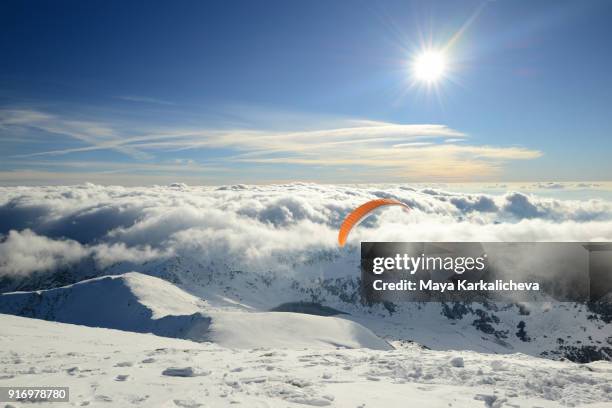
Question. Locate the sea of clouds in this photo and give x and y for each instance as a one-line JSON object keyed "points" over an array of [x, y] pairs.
{"points": [[43, 229]]}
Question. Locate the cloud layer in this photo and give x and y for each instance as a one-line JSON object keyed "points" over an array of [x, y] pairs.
{"points": [[346, 148], [262, 228]]}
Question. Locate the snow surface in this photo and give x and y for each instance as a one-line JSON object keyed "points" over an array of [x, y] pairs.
{"points": [[142, 303], [111, 368]]}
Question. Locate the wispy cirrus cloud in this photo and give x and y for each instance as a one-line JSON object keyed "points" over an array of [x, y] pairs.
{"points": [[144, 99], [95, 135], [401, 151]]}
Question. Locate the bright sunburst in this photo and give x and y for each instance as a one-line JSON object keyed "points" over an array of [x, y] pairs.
{"points": [[430, 66]]}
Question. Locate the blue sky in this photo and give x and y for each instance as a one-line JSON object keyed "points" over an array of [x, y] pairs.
{"points": [[218, 92]]}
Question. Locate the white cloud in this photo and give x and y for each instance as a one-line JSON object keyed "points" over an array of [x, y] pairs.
{"points": [[107, 255], [25, 252], [263, 228]]}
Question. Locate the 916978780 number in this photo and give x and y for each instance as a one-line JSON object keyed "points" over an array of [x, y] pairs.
{"points": [[49, 394]]}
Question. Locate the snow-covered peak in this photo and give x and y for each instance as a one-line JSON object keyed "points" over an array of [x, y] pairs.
{"points": [[110, 296]]}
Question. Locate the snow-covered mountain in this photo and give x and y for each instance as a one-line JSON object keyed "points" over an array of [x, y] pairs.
{"points": [[236, 303], [580, 332], [141, 303]]}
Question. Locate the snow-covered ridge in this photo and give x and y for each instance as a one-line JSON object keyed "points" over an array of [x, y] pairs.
{"points": [[131, 302], [146, 304]]}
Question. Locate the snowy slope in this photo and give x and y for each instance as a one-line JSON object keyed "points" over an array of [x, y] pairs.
{"points": [[142, 303], [106, 367], [289, 330]]}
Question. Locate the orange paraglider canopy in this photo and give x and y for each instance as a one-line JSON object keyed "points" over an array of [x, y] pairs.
{"points": [[359, 213]]}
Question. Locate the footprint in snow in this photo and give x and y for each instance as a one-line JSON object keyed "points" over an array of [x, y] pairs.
{"points": [[72, 370], [183, 372], [300, 383], [314, 401], [187, 403], [457, 362], [103, 398], [490, 401], [121, 377]]}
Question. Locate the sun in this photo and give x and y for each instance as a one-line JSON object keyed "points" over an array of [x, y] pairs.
{"points": [[430, 66]]}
